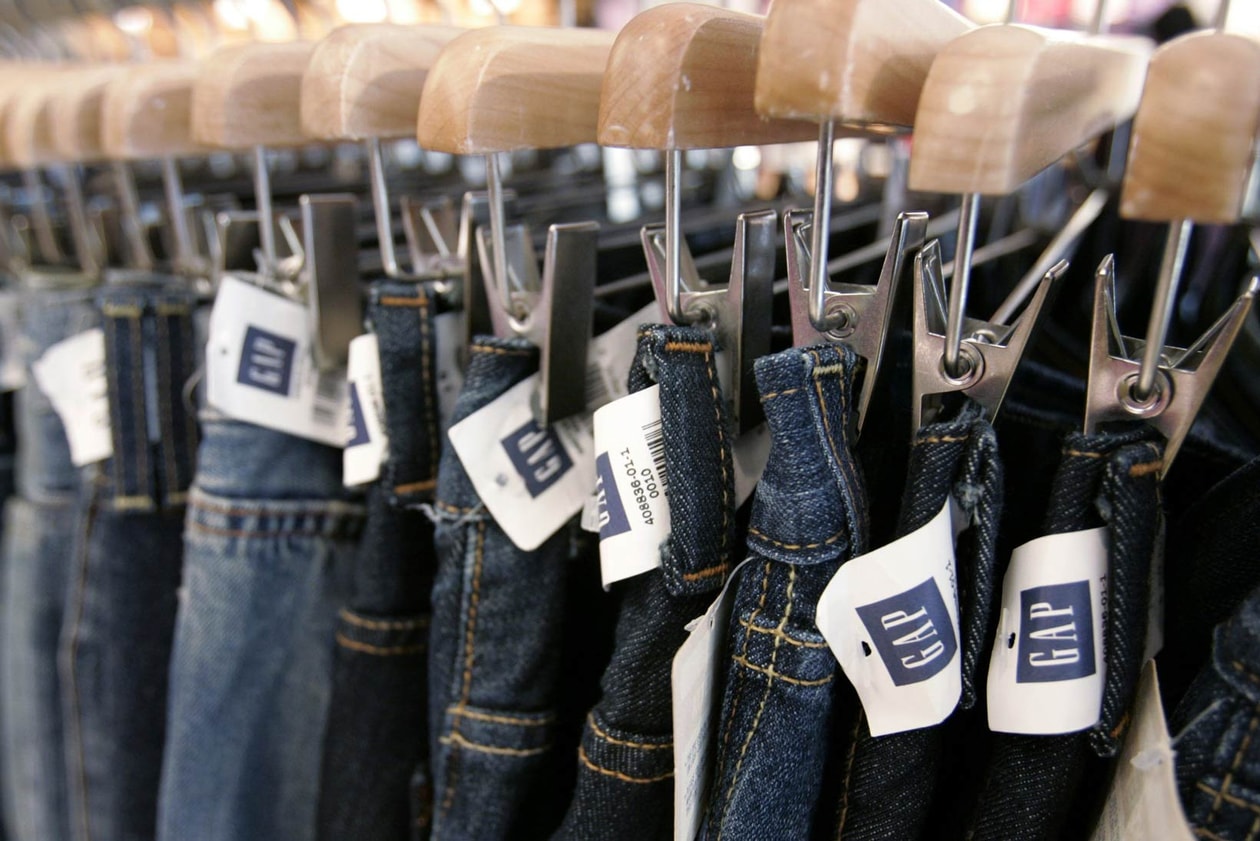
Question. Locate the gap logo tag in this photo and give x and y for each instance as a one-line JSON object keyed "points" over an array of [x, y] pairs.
{"points": [[612, 514], [538, 457], [1056, 640], [267, 361], [358, 425], [912, 632]]}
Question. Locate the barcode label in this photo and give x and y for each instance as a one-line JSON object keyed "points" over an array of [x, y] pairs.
{"points": [[598, 393], [329, 393], [654, 437]]}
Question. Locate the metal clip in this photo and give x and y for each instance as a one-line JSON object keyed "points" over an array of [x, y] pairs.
{"points": [[431, 231], [739, 313], [330, 274], [1183, 377], [859, 313], [989, 353], [471, 293]]}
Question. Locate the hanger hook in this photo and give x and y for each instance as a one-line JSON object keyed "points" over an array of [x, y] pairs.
{"points": [[968, 214], [262, 197], [819, 239], [673, 235], [381, 208], [498, 233], [1170, 271]]}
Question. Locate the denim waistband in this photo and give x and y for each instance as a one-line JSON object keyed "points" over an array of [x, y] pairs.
{"points": [[698, 451], [401, 315], [224, 517], [242, 461], [150, 357], [810, 505]]}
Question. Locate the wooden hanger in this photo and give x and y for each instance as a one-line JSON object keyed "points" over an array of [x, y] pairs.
{"points": [[505, 88], [146, 112], [249, 95], [859, 63], [681, 76], [27, 132], [364, 81], [1003, 102], [75, 112], [1194, 137]]}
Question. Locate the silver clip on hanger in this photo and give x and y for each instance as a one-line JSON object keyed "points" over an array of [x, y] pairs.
{"points": [[552, 311], [330, 275], [859, 313], [427, 228], [1181, 378], [739, 313], [88, 249], [988, 353]]}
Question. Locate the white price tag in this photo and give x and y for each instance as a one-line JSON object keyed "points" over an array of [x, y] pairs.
{"points": [[695, 690], [1047, 669], [609, 357], [367, 442], [532, 479], [71, 374], [448, 329], [260, 368], [891, 618], [1143, 802], [12, 374], [631, 485]]}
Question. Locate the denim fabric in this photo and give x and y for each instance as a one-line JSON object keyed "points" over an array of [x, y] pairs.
{"points": [[376, 723], [269, 547], [889, 781], [808, 515], [495, 649], [1218, 756], [38, 544], [1033, 783], [625, 768], [114, 653]]}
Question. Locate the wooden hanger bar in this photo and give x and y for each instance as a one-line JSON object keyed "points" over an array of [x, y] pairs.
{"points": [[1194, 136], [1003, 102], [250, 95], [511, 87], [681, 76], [860, 63], [75, 111], [364, 81], [28, 138], [147, 112]]}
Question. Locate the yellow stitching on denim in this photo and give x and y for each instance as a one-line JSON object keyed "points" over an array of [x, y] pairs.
{"points": [[175, 498], [415, 487], [707, 572], [848, 774], [784, 635], [501, 351], [121, 310], [378, 650], [457, 739], [460, 711], [169, 310], [385, 624], [761, 604], [1233, 768], [1242, 668], [612, 740], [940, 439], [625, 778], [400, 301], [1145, 468], [222, 532], [770, 672], [1255, 828], [690, 347], [711, 371], [1084, 453], [823, 370], [1231, 799], [455, 509], [766, 398], [765, 697], [337, 510], [796, 546], [474, 601], [131, 503]]}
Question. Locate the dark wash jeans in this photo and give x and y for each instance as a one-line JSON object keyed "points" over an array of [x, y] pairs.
{"points": [[115, 646], [376, 738], [889, 781], [38, 545], [625, 774], [1033, 786], [809, 514], [496, 646], [269, 548], [1218, 754]]}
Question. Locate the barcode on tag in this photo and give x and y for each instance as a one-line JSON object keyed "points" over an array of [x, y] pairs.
{"points": [[597, 391], [326, 408], [654, 437]]}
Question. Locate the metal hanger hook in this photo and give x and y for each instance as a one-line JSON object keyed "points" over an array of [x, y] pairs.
{"points": [[968, 215], [673, 236]]}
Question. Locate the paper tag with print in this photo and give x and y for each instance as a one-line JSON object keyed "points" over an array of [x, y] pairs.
{"points": [[260, 369], [448, 330], [367, 442], [1143, 802], [609, 357], [631, 485], [891, 618], [696, 693], [750, 454], [533, 479], [1047, 669], [12, 373], [71, 374]]}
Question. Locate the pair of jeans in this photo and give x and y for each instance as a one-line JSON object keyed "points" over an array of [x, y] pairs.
{"points": [[376, 737], [115, 647], [889, 781], [496, 646], [1033, 786], [808, 515], [37, 556], [268, 551], [625, 773], [1218, 755]]}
